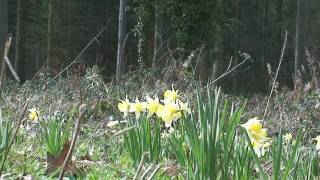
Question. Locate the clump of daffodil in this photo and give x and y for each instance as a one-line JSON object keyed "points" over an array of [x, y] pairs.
{"points": [[287, 137], [137, 108], [257, 135], [33, 114], [124, 107], [170, 110]]}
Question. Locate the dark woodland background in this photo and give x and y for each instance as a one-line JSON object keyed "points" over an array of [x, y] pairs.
{"points": [[202, 36]]}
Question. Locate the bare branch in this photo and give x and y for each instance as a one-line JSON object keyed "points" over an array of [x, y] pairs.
{"points": [[275, 79], [94, 39]]}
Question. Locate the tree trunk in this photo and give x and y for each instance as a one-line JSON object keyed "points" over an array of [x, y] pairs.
{"points": [[279, 21], [18, 40], [3, 25], [121, 37], [3, 29], [158, 28], [237, 41], [300, 62], [265, 7], [49, 37]]}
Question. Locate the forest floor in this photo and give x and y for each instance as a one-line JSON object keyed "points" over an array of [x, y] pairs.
{"points": [[98, 153]]}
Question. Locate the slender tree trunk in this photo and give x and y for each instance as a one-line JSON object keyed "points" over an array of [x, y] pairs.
{"points": [[238, 33], [3, 29], [237, 40], [279, 21], [121, 37], [300, 62], [3, 25], [49, 38], [158, 27], [265, 6], [18, 40]]}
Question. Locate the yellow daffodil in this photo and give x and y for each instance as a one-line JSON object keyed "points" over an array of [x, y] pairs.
{"points": [[253, 125], [317, 139], [137, 107], [184, 107], [255, 130], [124, 107], [171, 95], [169, 113], [257, 135], [287, 137], [260, 148], [33, 114], [159, 110], [153, 106]]}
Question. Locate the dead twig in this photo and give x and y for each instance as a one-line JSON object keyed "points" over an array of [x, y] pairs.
{"points": [[94, 39], [123, 131], [275, 78], [228, 71], [147, 171], [154, 172], [143, 158]]}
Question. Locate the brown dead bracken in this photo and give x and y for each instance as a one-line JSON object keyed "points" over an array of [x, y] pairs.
{"points": [[54, 163]]}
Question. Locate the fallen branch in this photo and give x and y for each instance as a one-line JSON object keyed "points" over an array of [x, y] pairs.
{"points": [[5, 61], [13, 72], [5, 54]]}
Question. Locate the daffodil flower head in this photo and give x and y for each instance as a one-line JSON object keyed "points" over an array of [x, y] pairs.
{"points": [[260, 148], [287, 137], [137, 107], [169, 113], [124, 106], [171, 95], [257, 135], [184, 107], [33, 114], [153, 106], [159, 111], [317, 139], [253, 125]]}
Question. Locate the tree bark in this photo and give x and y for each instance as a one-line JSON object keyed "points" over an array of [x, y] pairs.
{"points": [[237, 41], [158, 27], [3, 25], [18, 40], [121, 37], [279, 21], [300, 45], [3, 28], [49, 33]]}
